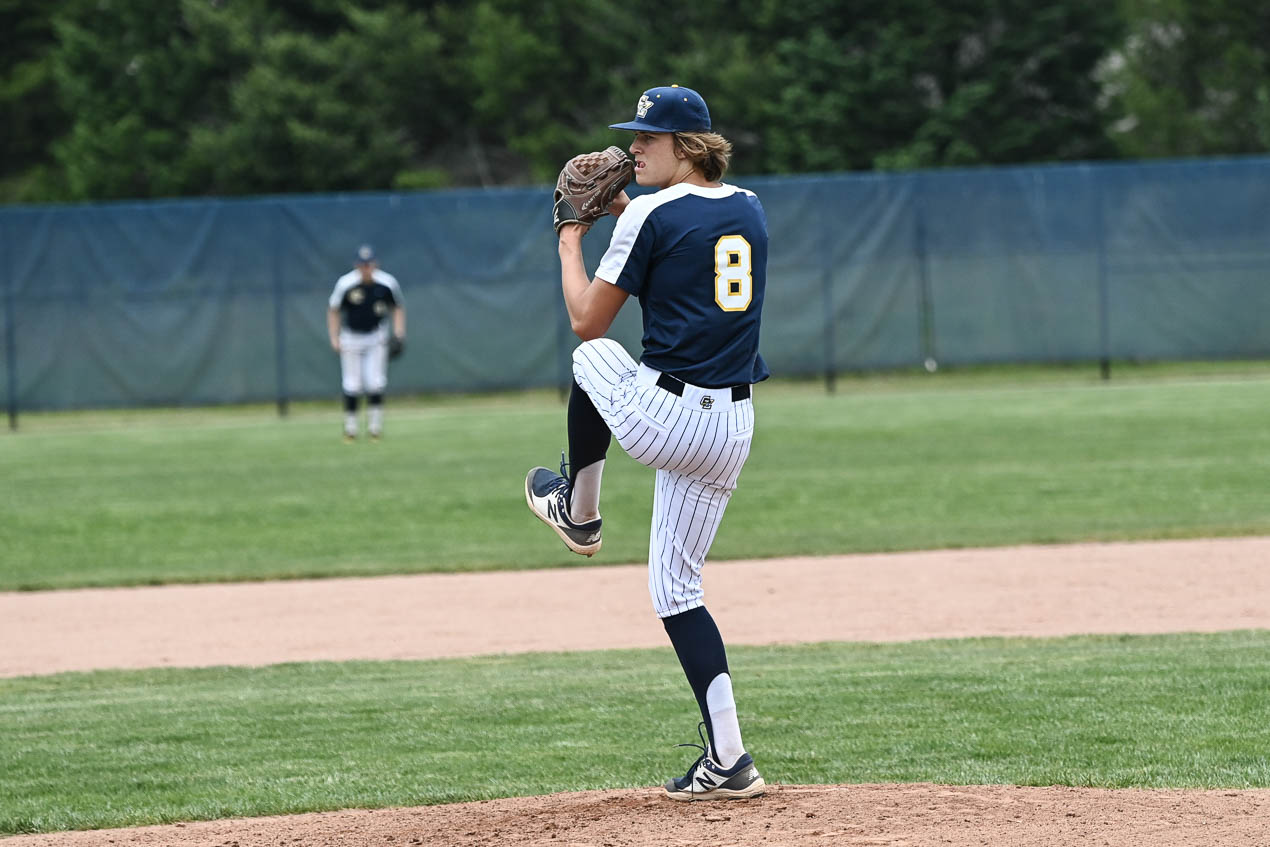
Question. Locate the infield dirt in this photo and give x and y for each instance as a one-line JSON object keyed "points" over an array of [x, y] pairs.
{"points": [[1184, 586]]}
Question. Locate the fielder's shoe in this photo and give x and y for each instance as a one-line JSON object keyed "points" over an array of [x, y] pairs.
{"points": [[547, 494], [349, 437], [705, 780]]}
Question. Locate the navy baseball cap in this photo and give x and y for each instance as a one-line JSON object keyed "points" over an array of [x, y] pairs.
{"points": [[365, 254], [670, 108]]}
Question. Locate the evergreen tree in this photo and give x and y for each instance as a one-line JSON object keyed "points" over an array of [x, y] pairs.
{"points": [[29, 108], [1192, 79]]}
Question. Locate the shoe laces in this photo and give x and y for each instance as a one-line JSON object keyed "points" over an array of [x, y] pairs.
{"points": [[561, 483], [704, 747], [555, 485]]}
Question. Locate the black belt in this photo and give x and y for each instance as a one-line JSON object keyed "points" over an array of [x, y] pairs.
{"points": [[676, 386]]}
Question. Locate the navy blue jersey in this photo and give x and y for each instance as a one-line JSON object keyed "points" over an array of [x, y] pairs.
{"points": [[697, 260], [363, 306]]}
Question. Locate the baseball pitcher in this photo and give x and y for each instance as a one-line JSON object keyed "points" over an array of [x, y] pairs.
{"points": [[694, 253]]}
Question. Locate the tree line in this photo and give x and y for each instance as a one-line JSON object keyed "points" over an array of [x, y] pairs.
{"points": [[108, 99]]}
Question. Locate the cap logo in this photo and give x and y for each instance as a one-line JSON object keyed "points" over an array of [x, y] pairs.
{"points": [[642, 107]]}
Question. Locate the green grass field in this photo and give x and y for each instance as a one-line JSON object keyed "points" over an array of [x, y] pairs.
{"points": [[987, 457], [123, 748]]}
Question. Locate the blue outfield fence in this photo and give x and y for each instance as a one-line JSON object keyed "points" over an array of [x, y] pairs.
{"points": [[223, 301]]}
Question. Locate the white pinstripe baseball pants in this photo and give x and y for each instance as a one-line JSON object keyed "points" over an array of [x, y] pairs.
{"points": [[698, 444]]}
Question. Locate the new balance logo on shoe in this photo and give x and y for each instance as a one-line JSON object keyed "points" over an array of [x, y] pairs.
{"points": [[704, 780], [547, 494]]}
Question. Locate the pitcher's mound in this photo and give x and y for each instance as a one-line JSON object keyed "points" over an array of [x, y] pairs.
{"points": [[788, 815]]}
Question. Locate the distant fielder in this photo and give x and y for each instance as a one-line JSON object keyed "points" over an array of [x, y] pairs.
{"points": [[357, 322], [695, 254]]}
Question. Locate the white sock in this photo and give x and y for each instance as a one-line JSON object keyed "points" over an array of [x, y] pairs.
{"points": [[350, 423], [375, 419], [584, 502], [726, 744]]}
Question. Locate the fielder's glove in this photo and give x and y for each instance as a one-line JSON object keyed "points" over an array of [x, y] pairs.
{"points": [[588, 184], [396, 346]]}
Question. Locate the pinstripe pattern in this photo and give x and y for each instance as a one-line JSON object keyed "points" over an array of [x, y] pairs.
{"points": [[698, 453]]}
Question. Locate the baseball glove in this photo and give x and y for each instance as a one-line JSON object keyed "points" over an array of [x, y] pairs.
{"points": [[396, 346], [588, 184]]}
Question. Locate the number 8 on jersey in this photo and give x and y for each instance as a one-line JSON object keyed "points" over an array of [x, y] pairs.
{"points": [[733, 280]]}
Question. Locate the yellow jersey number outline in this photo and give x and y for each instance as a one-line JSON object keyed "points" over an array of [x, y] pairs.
{"points": [[733, 277]]}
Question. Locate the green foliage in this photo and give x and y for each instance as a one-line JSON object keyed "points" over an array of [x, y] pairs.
{"points": [[514, 58], [1193, 78], [920, 85], [195, 98], [208, 495], [137, 79], [29, 110], [133, 98], [112, 749], [421, 178]]}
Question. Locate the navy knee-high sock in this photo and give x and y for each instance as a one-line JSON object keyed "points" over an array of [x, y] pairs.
{"points": [[589, 435], [700, 649]]}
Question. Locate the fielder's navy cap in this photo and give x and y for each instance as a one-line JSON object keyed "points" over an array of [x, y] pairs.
{"points": [[365, 254], [671, 108]]}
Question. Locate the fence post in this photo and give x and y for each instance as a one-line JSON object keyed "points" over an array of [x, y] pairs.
{"points": [[11, 357], [10, 337], [1104, 294], [279, 322], [564, 358], [925, 302], [827, 302], [826, 289]]}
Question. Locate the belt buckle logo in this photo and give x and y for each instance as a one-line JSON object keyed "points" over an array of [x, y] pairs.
{"points": [[707, 402]]}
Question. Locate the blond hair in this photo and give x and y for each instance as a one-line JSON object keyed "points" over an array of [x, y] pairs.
{"points": [[708, 151]]}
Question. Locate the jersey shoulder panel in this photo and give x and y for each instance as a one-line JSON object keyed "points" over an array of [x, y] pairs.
{"points": [[342, 285], [633, 236], [390, 282], [625, 233], [753, 198]]}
